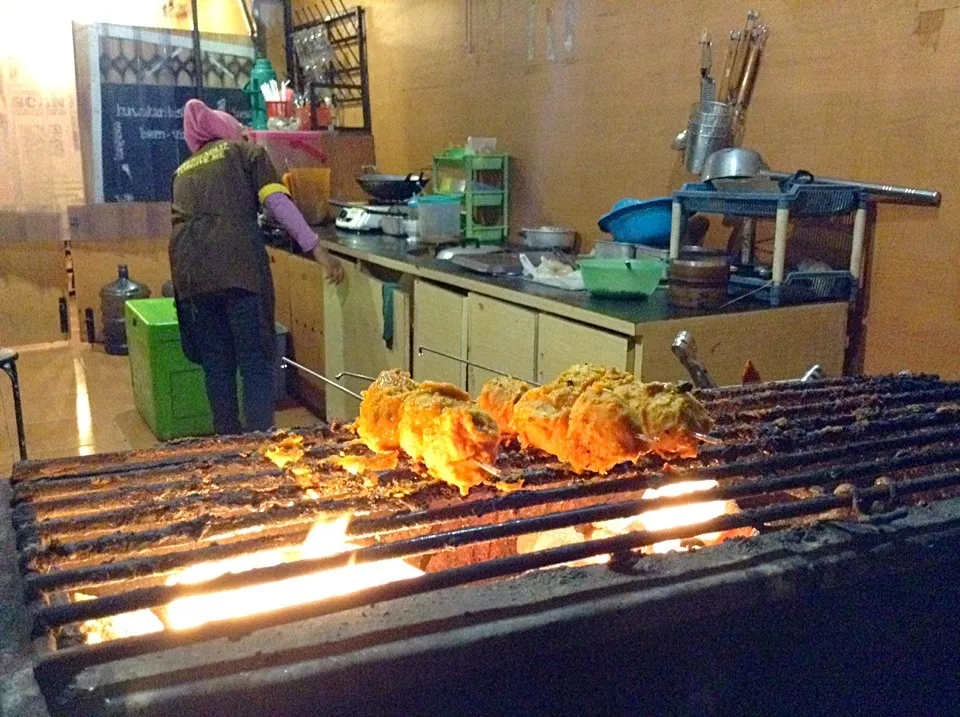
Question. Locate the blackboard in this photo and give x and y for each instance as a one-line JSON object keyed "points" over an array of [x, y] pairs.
{"points": [[142, 136]]}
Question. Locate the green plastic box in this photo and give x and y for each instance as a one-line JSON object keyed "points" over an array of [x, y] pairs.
{"points": [[168, 390]]}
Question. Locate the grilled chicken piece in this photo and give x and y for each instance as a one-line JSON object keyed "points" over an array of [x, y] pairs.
{"points": [[594, 418], [434, 423], [541, 417], [498, 397], [615, 424], [449, 434], [378, 424]]}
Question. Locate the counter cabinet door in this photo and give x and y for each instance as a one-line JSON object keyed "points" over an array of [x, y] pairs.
{"points": [[562, 343], [305, 297], [439, 322], [280, 273], [781, 343], [502, 336], [354, 335]]}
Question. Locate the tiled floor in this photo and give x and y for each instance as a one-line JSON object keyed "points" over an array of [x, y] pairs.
{"points": [[78, 400]]}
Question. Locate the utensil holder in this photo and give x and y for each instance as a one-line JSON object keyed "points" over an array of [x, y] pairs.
{"points": [[711, 127]]}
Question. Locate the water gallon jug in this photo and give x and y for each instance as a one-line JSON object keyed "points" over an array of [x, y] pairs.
{"points": [[113, 297]]}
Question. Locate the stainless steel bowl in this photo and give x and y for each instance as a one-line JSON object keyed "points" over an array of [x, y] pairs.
{"points": [[613, 250], [545, 238], [733, 163]]}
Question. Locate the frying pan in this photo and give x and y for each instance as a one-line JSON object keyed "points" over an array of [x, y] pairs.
{"points": [[392, 187]]}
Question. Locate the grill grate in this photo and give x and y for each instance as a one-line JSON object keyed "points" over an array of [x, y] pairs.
{"points": [[786, 448]]}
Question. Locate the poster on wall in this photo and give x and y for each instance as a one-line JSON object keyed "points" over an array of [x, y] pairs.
{"points": [[132, 84], [142, 136]]}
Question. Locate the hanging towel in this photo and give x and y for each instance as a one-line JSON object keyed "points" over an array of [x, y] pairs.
{"points": [[387, 293]]}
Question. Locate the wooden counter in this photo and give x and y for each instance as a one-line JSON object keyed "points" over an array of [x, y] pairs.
{"points": [[534, 331]]}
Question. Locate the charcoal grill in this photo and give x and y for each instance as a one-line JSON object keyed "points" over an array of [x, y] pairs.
{"points": [[847, 481]]}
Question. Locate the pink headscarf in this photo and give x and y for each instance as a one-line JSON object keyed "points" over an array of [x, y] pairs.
{"points": [[202, 124]]}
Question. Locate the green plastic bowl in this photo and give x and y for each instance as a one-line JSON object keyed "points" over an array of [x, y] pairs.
{"points": [[622, 277]]}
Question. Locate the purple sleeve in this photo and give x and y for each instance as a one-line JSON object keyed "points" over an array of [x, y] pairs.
{"points": [[285, 212]]}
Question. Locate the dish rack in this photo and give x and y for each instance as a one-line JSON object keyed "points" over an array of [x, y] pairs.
{"points": [[797, 287], [798, 200]]}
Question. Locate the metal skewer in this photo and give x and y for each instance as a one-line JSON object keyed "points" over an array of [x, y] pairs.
{"points": [[364, 376], [288, 362], [421, 349]]}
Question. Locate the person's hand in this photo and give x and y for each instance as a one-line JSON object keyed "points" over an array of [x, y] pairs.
{"points": [[333, 269]]}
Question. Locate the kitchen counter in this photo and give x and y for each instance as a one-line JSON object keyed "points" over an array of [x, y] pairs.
{"points": [[620, 316], [397, 297]]}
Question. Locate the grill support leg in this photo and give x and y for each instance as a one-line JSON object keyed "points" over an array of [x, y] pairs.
{"points": [[8, 362]]}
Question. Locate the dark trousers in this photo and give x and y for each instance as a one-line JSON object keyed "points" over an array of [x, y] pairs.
{"points": [[230, 335]]}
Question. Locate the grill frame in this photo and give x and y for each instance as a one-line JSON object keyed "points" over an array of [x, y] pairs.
{"points": [[904, 411]]}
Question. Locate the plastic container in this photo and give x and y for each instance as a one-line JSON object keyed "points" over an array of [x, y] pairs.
{"points": [[261, 74], [639, 222], [439, 217], [292, 150], [168, 389], [621, 278], [310, 190], [113, 296]]}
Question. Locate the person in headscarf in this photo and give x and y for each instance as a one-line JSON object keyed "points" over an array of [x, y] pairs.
{"points": [[221, 273]]}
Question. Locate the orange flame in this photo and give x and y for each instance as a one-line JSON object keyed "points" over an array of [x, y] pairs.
{"points": [[183, 613]]}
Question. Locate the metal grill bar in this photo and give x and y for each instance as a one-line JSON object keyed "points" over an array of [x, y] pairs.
{"points": [[871, 383], [625, 482], [137, 494], [57, 615], [890, 400], [60, 666]]}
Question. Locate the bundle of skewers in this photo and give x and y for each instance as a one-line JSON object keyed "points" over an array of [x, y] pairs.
{"points": [[739, 73], [591, 418]]}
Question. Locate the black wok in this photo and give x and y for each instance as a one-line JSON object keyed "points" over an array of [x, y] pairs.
{"points": [[392, 187]]}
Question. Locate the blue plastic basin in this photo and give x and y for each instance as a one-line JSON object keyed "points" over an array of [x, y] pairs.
{"points": [[635, 221]]}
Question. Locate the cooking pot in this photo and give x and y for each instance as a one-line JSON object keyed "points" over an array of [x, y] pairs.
{"points": [[544, 238], [613, 250]]}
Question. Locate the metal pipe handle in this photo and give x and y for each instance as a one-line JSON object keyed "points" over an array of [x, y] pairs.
{"points": [[685, 349], [323, 378], [929, 197]]}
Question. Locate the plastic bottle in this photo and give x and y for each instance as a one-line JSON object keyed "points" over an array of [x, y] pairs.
{"points": [[261, 74], [113, 298]]}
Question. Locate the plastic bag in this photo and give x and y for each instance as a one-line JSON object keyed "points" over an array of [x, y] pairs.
{"points": [[552, 273]]}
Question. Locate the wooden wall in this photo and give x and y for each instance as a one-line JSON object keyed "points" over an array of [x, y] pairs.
{"points": [[867, 89], [33, 278], [104, 236]]}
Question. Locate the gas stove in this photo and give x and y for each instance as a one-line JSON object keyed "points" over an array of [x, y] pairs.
{"points": [[386, 218]]}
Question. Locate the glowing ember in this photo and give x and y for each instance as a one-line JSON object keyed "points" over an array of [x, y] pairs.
{"points": [[287, 451], [677, 516], [140, 622]]}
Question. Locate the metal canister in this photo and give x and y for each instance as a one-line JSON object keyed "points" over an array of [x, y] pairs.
{"points": [[709, 128], [113, 298], [698, 279]]}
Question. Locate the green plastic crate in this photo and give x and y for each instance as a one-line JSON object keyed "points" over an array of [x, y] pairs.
{"points": [[168, 390]]}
